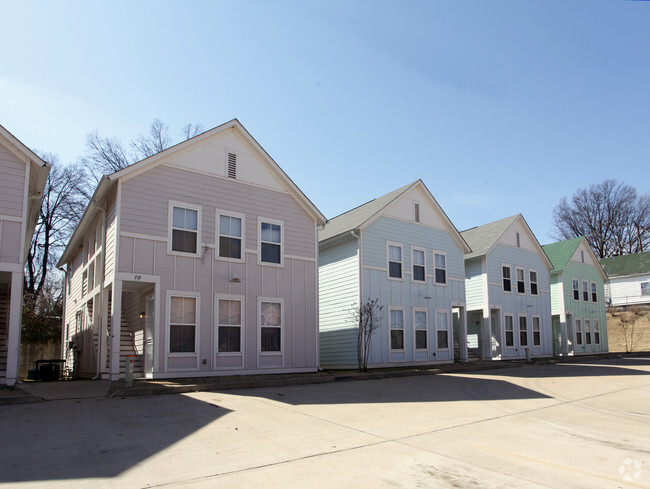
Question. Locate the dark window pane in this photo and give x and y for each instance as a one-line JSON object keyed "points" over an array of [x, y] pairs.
{"points": [[183, 241], [594, 297], [537, 340], [510, 338], [270, 253], [585, 296], [418, 273], [521, 287], [443, 339], [394, 269], [588, 336], [523, 338], [533, 288], [421, 339], [576, 295], [506, 285], [229, 339], [181, 338], [271, 339], [441, 276], [597, 337], [579, 338], [229, 247], [397, 339]]}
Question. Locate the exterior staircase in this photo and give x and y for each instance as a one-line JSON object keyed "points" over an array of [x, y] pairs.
{"points": [[4, 328], [127, 347]]}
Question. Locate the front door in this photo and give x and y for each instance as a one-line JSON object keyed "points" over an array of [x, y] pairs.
{"points": [[148, 335]]}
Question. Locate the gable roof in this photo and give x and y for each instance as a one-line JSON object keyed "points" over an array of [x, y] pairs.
{"points": [[560, 254], [635, 264], [108, 182], [483, 238], [365, 214]]}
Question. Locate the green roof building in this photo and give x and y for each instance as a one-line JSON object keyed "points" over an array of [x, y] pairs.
{"points": [[629, 279]]}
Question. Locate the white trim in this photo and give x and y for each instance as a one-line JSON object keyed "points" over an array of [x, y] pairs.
{"points": [[449, 328], [505, 331], [527, 345], [283, 327], [5, 217], [426, 328], [446, 269], [197, 326], [217, 234], [503, 289], [585, 290], [523, 273], [577, 330], [242, 334], [573, 289], [388, 260], [530, 281], [275, 222], [424, 254], [390, 329], [593, 285], [148, 237], [532, 329], [170, 228]]}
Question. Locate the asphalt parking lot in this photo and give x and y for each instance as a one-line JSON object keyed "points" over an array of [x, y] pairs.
{"points": [[565, 426]]}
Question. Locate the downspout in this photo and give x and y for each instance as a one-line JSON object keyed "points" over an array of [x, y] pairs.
{"points": [[64, 344], [101, 294]]}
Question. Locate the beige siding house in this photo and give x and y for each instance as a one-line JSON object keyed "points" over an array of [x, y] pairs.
{"points": [[200, 260], [22, 179]]}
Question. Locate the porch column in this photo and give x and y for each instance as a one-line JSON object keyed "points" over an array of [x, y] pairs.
{"points": [[116, 326], [13, 328], [103, 316], [462, 341], [564, 335], [486, 336]]}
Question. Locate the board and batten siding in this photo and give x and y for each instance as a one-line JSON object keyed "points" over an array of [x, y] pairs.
{"points": [[474, 282], [339, 289], [13, 174]]}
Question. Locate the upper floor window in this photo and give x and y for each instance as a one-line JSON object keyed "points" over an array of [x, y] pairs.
{"points": [[507, 280], [271, 237], [594, 294], [419, 267], [521, 281], [440, 263], [585, 291], [184, 228], [394, 261], [576, 290], [230, 232], [533, 282]]}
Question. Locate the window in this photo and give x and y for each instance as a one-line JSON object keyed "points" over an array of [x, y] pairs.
{"points": [[585, 291], [594, 295], [419, 266], [229, 324], [576, 290], [396, 329], [523, 331], [596, 332], [394, 261], [182, 324], [270, 241], [184, 228], [537, 334], [578, 332], [645, 288], [420, 327], [510, 330], [270, 326], [440, 263], [588, 331], [521, 281], [533, 282], [507, 282], [230, 230], [442, 327]]}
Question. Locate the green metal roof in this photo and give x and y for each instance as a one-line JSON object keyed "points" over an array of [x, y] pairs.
{"points": [[622, 265], [560, 253]]}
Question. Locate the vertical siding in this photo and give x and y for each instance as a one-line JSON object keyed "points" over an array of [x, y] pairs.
{"points": [[474, 283], [339, 288], [557, 298], [12, 183]]}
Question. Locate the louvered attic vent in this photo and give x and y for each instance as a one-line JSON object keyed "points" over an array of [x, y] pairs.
{"points": [[417, 212], [232, 165]]}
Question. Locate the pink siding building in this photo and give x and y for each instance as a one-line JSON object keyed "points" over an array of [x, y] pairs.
{"points": [[200, 260], [22, 179]]}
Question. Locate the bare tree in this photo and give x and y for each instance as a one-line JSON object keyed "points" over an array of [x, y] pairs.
{"points": [[610, 215], [188, 131], [104, 156], [156, 141], [627, 324], [368, 318]]}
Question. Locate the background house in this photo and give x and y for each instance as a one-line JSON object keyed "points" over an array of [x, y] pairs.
{"points": [[201, 259], [507, 286], [628, 279], [403, 250], [577, 298], [23, 176]]}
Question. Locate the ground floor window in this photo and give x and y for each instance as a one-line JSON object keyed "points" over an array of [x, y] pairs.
{"points": [[182, 324], [510, 330], [229, 325], [523, 331], [271, 321], [420, 327], [588, 331], [396, 329], [578, 324], [442, 329], [597, 331], [537, 334]]}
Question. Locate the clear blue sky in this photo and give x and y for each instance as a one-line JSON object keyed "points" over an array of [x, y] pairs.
{"points": [[500, 107]]}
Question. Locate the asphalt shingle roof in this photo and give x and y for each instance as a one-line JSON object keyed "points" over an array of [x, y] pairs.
{"points": [[622, 265], [482, 238]]}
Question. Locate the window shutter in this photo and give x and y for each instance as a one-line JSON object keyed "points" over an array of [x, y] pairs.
{"points": [[232, 165]]}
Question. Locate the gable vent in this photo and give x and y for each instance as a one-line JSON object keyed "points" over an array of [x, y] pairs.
{"points": [[232, 165], [416, 211]]}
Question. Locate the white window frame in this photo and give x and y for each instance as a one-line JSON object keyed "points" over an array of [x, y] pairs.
{"points": [[448, 329], [577, 322], [536, 319], [523, 274], [531, 282], [415, 328], [594, 292], [574, 282], [596, 332], [390, 328], [388, 260], [276, 300], [588, 332], [276, 222], [170, 227], [519, 331], [424, 255], [646, 289], [217, 234], [506, 330], [217, 325], [503, 278], [197, 324], [435, 268], [585, 290]]}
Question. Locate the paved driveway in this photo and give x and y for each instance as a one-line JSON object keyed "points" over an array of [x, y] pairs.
{"points": [[564, 426]]}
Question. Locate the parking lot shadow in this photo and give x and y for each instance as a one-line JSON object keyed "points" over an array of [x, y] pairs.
{"points": [[591, 368], [99, 437]]}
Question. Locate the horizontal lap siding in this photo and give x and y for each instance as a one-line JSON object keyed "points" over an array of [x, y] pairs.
{"points": [[111, 237], [12, 183]]}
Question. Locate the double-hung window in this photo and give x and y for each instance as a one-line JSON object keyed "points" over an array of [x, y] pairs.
{"points": [[394, 260], [645, 288], [521, 281], [507, 280], [596, 332], [537, 334], [585, 291], [229, 325], [594, 294], [396, 329], [578, 324], [420, 327], [419, 265], [440, 263], [184, 228], [442, 329], [230, 236], [533, 282], [182, 324], [510, 330], [588, 331], [576, 289], [523, 331], [271, 242], [271, 322]]}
